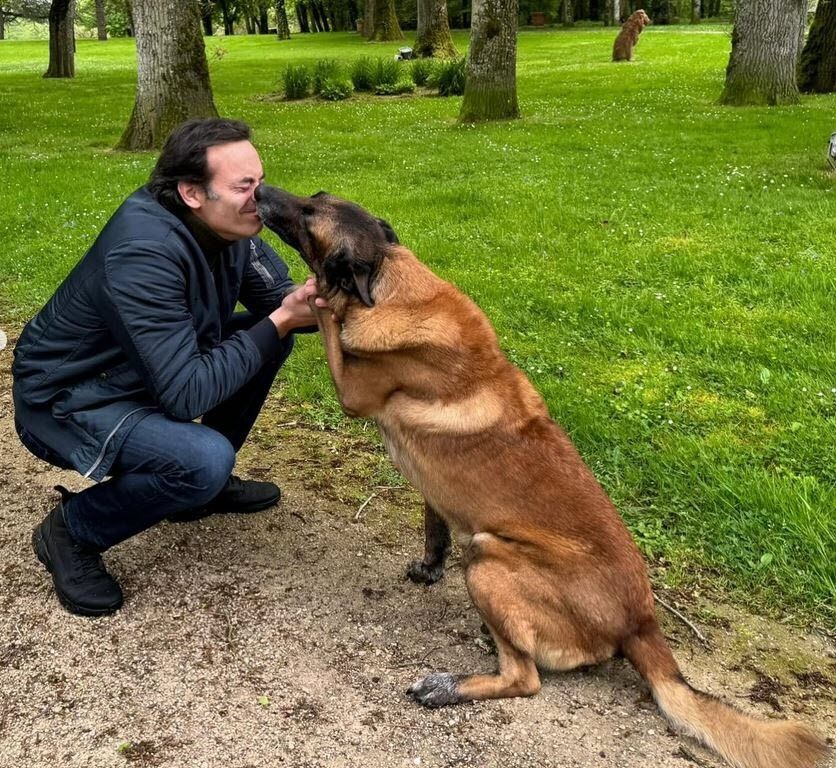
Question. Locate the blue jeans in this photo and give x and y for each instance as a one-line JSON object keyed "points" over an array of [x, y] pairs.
{"points": [[167, 466]]}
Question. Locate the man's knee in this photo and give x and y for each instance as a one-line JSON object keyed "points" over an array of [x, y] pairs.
{"points": [[206, 464]]}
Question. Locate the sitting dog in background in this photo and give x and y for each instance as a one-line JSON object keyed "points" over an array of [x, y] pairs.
{"points": [[548, 562], [622, 49]]}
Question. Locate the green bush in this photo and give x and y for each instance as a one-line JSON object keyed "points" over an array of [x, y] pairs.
{"points": [[325, 70], [385, 72], [297, 81], [336, 89], [361, 74], [449, 77], [422, 71], [393, 89]]}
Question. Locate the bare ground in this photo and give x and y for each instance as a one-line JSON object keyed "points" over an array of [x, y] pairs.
{"points": [[289, 637]]}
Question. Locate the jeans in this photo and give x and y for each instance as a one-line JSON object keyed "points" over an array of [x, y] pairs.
{"points": [[166, 466]]}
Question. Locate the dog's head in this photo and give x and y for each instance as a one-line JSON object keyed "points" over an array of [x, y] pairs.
{"points": [[341, 243], [642, 17]]}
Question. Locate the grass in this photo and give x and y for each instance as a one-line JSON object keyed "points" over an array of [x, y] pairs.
{"points": [[661, 267]]}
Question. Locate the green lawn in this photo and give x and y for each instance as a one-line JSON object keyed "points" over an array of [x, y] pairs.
{"points": [[662, 268]]}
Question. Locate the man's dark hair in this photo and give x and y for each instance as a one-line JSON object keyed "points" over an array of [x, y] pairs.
{"points": [[183, 157]]}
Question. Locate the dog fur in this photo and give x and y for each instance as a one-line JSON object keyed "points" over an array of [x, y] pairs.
{"points": [[628, 37], [548, 562]]}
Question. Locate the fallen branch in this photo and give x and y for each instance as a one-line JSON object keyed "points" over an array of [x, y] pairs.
{"points": [[363, 506], [702, 638]]}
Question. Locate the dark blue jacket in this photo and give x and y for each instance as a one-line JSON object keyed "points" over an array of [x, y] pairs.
{"points": [[137, 327]]}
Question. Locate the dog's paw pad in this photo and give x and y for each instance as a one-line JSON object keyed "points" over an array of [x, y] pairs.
{"points": [[436, 690], [421, 573]]}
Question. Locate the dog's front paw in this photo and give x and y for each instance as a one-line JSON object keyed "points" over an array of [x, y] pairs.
{"points": [[436, 690], [421, 573]]}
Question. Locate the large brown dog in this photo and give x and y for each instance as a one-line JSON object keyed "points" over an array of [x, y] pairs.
{"points": [[622, 49], [548, 562]]}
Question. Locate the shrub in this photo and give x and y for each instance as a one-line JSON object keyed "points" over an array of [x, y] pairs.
{"points": [[449, 77], [325, 70], [422, 71], [297, 81], [336, 89], [385, 72], [361, 74], [393, 89]]}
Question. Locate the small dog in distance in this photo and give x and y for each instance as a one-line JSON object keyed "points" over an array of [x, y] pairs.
{"points": [[622, 49]]}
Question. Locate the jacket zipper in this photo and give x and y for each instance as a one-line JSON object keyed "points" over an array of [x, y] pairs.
{"points": [[259, 267], [113, 431]]}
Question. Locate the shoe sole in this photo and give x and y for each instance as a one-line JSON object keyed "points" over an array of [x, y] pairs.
{"points": [[42, 555]]}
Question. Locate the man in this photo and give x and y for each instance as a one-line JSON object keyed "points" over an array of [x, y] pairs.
{"points": [[141, 339]]}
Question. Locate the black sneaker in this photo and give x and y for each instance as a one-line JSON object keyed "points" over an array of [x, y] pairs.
{"points": [[81, 582], [237, 496]]}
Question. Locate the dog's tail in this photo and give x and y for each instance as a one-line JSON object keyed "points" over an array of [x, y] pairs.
{"points": [[744, 741]]}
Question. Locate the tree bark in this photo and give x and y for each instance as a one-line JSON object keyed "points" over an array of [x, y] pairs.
{"points": [[2, 25], [61, 39], [567, 15], [229, 15], [101, 21], [817, 66], [206, 9], [696, 11], [302, 16], [386, 25], [368, 18], [612, 13], [282, 24], [435, 38], [173, 75], [765, 48], [490, 91]]}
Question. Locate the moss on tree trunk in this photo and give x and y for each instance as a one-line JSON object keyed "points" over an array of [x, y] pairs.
{"points": [[766, 41], [173, 76], [433, 35], [490, 91], [817, 66], [386, 25]]}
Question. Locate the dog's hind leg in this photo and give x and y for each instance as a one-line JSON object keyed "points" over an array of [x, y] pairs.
{"points": [[436, 548]]}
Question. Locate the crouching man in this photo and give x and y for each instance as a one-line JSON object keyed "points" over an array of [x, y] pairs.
{"points": [[142, 338]]}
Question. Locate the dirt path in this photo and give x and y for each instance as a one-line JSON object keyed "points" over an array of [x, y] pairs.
{"points": [[288, 639]]}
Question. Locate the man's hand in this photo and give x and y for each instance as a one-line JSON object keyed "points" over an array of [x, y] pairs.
{"points": [[295, 311]]}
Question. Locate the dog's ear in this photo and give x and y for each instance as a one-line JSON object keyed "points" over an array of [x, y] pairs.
{"points": [[345, 272], [391, 237]]}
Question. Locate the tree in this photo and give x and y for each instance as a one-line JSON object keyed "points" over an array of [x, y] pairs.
{"points": [[433, 36], [817, 66], [282, 25], [61, 39], [567, 14], [766, 41], [386, 25], [173, 78], [101, 21], [207, 10], [490, 91], [696, 11]]}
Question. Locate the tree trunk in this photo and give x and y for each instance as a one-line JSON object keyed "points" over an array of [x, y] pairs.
{"points": [[2, 25], [302, 16], [282, 24], [206, 9], [435, 39], [765, 47], [368, 18], [173, 76], [817, 67], [696, 11], [422, 11], [568, 18], [612, 13], [61, 39], [386, 25], [263, 21], [490, 91], [101, 21], [228, 16]]}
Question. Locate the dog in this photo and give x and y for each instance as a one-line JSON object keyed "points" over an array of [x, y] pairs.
{"points": [[548, 562], [622, 49]]}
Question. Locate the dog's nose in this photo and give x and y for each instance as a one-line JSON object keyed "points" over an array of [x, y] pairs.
{"points": [[259, 192]]}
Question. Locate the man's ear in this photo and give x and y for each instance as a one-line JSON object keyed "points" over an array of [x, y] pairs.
{"points": [[391, 237], [193, 195], [347, 273]]}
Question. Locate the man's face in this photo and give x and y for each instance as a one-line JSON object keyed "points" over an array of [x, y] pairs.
{"points": [[227, 205]]}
